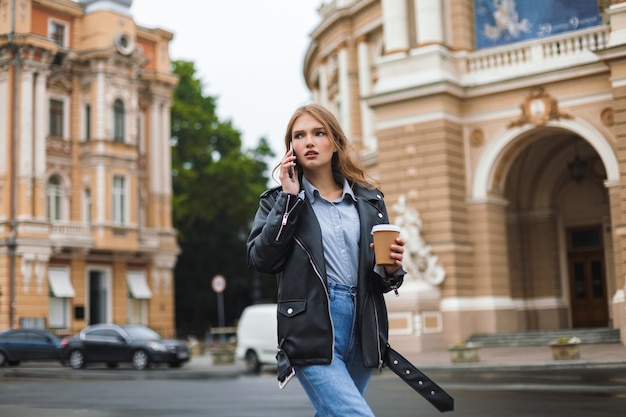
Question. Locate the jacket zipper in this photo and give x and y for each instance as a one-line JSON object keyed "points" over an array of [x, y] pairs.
{"points": [[377, 341], [380, 355], [322, 281], [286, 216]]}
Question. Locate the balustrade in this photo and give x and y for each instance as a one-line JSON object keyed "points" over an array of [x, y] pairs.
{"points": [[539, 52]]}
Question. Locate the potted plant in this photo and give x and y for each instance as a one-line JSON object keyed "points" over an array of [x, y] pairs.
{"points": [[195, 346], [223, 353], [565, 348], [464, 352]]}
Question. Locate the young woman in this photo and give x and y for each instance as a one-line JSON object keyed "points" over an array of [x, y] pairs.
{"points": [[313, 232]]}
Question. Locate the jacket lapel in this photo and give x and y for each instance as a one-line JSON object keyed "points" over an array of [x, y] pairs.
{"points": [[310, 234], [369, 205]]}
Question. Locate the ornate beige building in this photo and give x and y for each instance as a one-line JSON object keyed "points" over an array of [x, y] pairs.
{"points": [[85, 188], [511, 154]]}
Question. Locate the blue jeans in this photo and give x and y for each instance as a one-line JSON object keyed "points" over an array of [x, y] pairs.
{"points": [[337, 389]]}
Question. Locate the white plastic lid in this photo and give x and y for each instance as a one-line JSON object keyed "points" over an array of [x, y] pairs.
{"points": [[385, 227]]}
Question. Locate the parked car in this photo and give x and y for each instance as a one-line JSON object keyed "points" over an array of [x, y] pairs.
{"points": [[126, 343], [17, 345], [256, 337]]}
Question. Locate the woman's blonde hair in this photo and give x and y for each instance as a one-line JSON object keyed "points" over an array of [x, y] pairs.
{"points": [[345, 160]]}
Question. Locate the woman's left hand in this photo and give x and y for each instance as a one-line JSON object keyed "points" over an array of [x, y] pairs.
{"points": [[397, 251]]}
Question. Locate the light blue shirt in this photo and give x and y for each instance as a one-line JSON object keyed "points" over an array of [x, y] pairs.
{"points": [[341, 231]]}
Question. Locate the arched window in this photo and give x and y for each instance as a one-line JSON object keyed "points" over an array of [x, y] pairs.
{"points": [[54, 198], [119, 122]]}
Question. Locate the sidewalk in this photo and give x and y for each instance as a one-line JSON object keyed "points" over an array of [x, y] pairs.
{"points": [[503, 358], [591, 355]]}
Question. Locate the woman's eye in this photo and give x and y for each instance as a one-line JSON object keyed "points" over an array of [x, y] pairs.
{"points": [[297, 136], [320, 133]]}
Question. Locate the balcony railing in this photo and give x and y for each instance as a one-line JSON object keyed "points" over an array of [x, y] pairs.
{"points": [[149, 238], [71, 234], [537, 53], [70, 230]]}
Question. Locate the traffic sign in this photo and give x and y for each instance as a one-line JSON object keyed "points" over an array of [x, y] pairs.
{"points": [[218, 283]]}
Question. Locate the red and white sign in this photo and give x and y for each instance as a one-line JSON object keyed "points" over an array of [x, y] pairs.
{"points": [[218, 283]]}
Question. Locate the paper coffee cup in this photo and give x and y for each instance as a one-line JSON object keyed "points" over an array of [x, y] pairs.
{"points": [[384, 236]]}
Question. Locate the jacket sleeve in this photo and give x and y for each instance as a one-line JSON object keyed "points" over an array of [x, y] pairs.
{"points": [[274, 224], [394, 281]]}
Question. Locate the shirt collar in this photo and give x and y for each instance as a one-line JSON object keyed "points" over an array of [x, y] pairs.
{"points": [[312, 193]]}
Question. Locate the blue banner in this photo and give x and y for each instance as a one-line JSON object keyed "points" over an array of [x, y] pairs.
{"points": [[500, 22]]}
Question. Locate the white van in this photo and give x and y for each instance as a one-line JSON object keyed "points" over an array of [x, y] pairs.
{"points": [[256, 337]]}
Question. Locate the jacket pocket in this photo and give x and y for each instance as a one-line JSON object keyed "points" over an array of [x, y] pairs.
{"points": [[291, 308]]}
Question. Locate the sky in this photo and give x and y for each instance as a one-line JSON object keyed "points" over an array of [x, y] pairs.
{"points": [[248, 54]]}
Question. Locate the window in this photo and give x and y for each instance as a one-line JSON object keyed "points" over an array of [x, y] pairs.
{"points": [[107, 336], [56, 118], [119, 200], [61, 290], [87, 122], [118, 121], [57, 33], [87, 205], [138, 295], [54, 198]]}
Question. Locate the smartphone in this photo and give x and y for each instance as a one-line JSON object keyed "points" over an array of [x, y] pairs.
{"points": [[291, 170]]}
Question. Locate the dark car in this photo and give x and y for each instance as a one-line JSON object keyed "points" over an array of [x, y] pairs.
{"points": [[129, 343], [17, 345]]}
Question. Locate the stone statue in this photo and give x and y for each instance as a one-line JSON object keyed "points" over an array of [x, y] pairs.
{"points": [[418, 260]]}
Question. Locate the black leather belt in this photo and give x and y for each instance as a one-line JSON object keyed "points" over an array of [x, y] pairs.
{"points": [[432, 392]]}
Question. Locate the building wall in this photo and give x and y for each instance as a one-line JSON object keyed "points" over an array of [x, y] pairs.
{"points": [[103, 57], [456, 132]]}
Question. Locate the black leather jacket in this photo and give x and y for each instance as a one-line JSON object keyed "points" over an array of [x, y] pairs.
{"points": [[286, 240]]}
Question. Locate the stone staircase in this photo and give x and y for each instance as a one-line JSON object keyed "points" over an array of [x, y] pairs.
{"points": [[544, 337]]}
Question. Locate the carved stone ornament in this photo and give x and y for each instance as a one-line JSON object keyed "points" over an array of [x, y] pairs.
{"points": [[60, 82], [477, 137], [539, 108], [418, 260], [608, 116]]}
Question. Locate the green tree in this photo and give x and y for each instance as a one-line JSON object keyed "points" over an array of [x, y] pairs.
{"points": [[216, 188]]}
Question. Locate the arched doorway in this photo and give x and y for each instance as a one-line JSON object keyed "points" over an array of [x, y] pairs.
{"points": [[557, 215]]}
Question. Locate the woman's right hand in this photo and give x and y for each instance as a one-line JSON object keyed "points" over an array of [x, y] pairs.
{"points": [[290, 184]]}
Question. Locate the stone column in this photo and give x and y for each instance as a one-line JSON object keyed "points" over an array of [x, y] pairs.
{"points": [[429, 21], [6, 114], [26, 111], [100, 114], [617, 16], [39, 145], [167, 166], [344, 91], [488, 297], [618, 300], [364, 73], [40, 125], [323, 85], [156, 160], [155, 156], [131, 115], [165, 148], [395, 26], [101, 192]]}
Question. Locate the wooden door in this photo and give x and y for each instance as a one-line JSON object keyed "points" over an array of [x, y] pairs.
{"points": [[587, 278]]}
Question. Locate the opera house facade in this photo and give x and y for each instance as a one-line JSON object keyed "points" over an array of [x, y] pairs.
{"points": [[498, 132]]}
